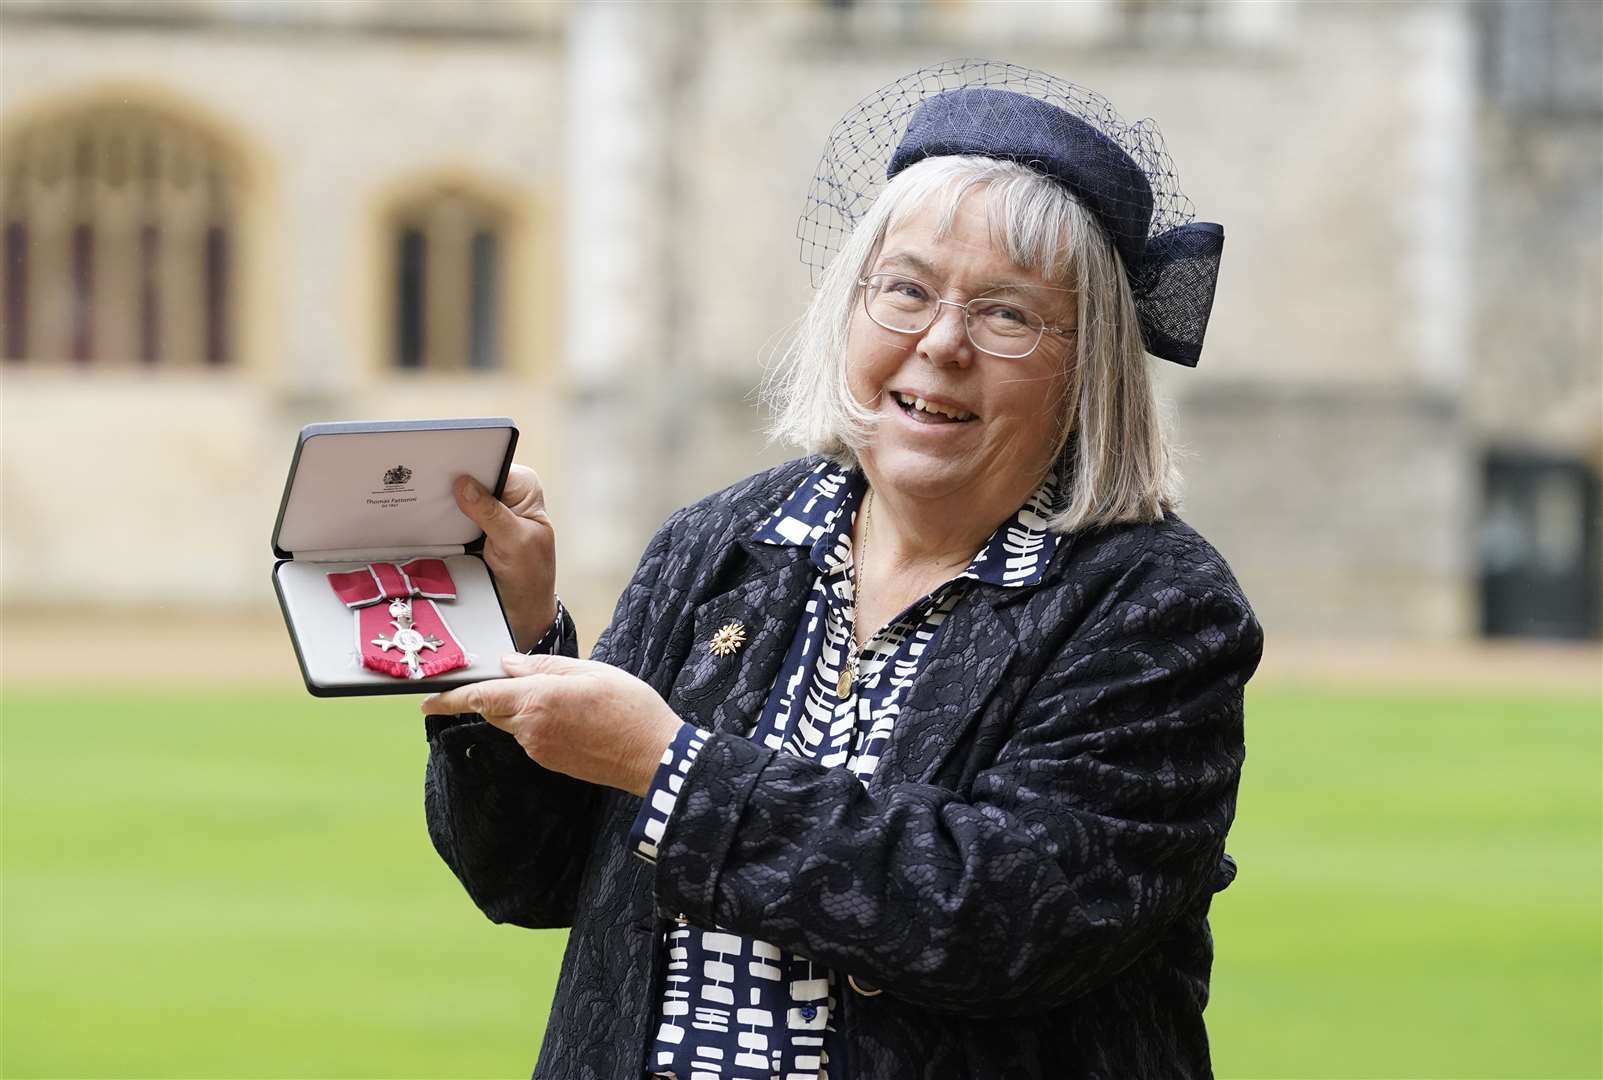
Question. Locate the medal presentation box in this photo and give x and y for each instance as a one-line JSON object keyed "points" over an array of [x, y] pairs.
{"points": [[372, 505]]}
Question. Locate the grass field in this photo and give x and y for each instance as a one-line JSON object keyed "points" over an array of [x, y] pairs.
{"points": [[239, 884]]}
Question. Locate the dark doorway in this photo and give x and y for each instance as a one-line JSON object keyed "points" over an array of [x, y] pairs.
{"points": [[1539, 547]]}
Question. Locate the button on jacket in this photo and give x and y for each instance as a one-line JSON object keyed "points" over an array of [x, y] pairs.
{"points": [[1020, 890]]}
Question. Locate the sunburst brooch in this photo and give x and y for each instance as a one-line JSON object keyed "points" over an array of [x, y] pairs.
{"points": [[728, 640]]}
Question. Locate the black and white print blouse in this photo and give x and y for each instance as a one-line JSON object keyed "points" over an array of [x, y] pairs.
{"points": [[736, 1008]]}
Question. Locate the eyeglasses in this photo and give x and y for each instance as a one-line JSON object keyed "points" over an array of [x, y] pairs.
{"points": [[908, 306]]}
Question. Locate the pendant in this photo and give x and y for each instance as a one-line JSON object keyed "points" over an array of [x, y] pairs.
{"points": [[406, 640], [843, 685]]}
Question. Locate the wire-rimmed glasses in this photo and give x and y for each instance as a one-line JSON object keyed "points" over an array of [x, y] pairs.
{"points": [[994, 326]]}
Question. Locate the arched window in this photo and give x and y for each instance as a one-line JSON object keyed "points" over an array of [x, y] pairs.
{"points": [[447, 274], [120, 243]]}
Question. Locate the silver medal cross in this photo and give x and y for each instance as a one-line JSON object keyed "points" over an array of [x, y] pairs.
{"points": [[406, 640]]}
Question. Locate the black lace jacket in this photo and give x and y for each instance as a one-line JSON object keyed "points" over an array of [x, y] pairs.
{"points": [[1020, 891]]}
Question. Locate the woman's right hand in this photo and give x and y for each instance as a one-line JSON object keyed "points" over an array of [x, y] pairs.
{"points": [[520, 547]]}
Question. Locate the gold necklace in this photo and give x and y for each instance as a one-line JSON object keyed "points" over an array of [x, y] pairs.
{"points": [[848, 670]]}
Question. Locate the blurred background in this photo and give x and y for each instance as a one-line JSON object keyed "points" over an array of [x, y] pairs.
{"points": [[224, 219]]}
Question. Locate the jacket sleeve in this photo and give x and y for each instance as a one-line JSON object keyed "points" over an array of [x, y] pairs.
{"points": [[516, 834], [1100, 820]]}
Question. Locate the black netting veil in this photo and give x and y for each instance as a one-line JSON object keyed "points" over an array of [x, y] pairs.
{"points": [[1119, 171]]}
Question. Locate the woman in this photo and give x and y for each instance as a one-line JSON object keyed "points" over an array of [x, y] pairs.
{"points": [[914, 757]]}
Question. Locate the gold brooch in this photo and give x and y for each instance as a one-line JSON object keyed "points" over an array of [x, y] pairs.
{"points": [[728, 639]]}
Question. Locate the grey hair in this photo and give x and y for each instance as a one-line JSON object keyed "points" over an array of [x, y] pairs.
{"points": [[1112, 459]]}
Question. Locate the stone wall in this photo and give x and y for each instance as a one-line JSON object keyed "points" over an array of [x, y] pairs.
{"points": [[1412, 270]]}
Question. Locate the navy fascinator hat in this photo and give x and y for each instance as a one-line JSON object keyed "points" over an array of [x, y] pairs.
{"points": [[1119, 172]]}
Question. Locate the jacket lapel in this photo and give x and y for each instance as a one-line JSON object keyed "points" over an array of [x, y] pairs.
{"points": [[975, 648], [727, 692], [972, 652]]}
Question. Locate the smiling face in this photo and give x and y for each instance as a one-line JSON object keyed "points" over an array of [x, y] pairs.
{"points": [[991, 461]]}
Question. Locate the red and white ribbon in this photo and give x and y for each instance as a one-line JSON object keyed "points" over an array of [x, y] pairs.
{"points": [[407, 638]]}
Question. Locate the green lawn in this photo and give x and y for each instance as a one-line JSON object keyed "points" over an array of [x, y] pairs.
{"points": [[239, 884]]}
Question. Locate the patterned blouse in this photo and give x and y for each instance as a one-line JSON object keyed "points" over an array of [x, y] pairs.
{"points": [[735, 1008]]}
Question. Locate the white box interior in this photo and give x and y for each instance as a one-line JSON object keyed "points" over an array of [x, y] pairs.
{"points": [[339, 500], [325, 628]]}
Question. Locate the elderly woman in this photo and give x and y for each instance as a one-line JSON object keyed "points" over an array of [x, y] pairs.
{"points": [[916, 757]]}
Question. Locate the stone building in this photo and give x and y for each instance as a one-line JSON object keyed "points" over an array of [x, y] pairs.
{"points": [[225, 219]]}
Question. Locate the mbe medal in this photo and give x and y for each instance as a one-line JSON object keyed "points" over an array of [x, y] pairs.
{"points": [[406, 640], [417, 643]]}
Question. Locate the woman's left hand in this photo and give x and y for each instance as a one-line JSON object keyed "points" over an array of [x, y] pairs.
{"points": [[589, 720]]}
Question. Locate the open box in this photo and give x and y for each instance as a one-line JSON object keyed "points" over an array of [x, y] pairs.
{"points": [[360, 494]]}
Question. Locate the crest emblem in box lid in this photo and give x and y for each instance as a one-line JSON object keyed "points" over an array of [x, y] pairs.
{"points": [[384, 485]]}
